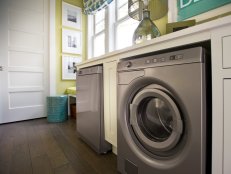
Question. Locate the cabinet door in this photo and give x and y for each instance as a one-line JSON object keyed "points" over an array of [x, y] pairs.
{"points": [[227, 127], [110, 102], [226, 41]]}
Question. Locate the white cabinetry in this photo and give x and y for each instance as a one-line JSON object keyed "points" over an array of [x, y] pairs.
{"points": [[227, 126], [110, 102], [221, 110], [226, 52]]}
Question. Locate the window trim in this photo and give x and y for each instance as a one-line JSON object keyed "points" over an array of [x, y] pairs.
{"points": [[117, 7], [95, 23], [118, 22], [92, 34], [90, 42]]}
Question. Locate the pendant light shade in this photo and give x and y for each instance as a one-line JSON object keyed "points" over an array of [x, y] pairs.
{"points": [[157, 8]]}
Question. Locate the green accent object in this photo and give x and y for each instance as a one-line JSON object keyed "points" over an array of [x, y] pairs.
{"points": [[176, 26], [190, 8], [146, 29], [57, 108], [92, 6]]}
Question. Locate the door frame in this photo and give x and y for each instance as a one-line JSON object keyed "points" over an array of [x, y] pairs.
{"points": [[52, 49]]}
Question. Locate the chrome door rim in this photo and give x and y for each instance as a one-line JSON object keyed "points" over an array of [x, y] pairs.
{"points": [[174, 138]]}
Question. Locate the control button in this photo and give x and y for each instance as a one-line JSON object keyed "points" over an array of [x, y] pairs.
{"points": [[162, 59], [172, 57], [179, 56], [128, 64], [147, 61], [155, 60]]}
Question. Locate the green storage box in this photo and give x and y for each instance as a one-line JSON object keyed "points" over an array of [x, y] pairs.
{"points": [[57, 110]]}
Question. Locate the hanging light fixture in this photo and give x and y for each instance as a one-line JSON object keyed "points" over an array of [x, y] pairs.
{"points": [[140, 10]]}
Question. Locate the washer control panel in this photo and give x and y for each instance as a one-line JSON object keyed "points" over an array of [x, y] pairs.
{"points": [[164, 59], [191, 55]]}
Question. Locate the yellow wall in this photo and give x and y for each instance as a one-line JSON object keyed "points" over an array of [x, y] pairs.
{"points": [[61, 85]]}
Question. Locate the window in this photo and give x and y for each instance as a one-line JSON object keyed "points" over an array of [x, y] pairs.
{"points": [[125, 26], [113, 29], [96, 34], [99, 33], [122, 9]]}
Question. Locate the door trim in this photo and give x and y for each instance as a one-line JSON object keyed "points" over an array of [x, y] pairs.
{"points": [[52, 51]]}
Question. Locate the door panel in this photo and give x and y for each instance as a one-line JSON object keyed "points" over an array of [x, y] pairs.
{"points": [[22, 20], [29, 41], [26, 59], [29, 79], [32, 5], [24, 56], [30, 99]]}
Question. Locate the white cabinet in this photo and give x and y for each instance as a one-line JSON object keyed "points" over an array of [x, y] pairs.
{"points": [[110, 102], [226, 42], [221, 109], [227, 129], [226, 52]]}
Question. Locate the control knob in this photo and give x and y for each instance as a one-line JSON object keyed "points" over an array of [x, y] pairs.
{"points": [[128, 64]]}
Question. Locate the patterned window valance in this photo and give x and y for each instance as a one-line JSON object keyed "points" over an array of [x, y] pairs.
{"points": [[92, 6]]}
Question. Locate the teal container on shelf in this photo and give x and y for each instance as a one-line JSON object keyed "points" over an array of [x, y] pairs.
{"points": [[57, 110]]}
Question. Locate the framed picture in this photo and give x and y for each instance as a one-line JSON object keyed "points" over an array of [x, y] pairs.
{"points": [[200, 10], [71, 16], [71, 41], [69, 66]]}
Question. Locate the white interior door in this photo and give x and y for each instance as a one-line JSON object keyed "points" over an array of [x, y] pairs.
{"points": [[24, 58]]}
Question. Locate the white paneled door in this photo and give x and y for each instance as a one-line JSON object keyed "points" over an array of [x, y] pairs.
{"points": [[23, 59]]}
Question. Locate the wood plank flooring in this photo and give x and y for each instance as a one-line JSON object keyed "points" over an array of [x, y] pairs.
{"points": [[38, 147]]}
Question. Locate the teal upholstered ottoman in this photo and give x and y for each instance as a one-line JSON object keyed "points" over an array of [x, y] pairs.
{"points": [[57, 108]]}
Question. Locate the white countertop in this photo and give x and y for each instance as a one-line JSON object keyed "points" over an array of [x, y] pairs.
{"points": [[198, 33]]}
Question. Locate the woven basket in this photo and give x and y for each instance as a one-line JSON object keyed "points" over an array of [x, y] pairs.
{"points": [[57, 108]]}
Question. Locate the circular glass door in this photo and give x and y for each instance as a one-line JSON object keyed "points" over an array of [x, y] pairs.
{"points": [[156, 120]]}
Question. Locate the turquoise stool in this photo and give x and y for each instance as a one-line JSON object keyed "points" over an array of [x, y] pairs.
{"points": [[57, 108]]}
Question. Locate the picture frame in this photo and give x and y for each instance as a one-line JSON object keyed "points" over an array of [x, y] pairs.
{"points": [[71, 16], [213, 10], [71, 41], [68, 66]]}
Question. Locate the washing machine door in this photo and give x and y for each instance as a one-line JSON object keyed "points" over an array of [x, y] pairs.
{"points": [[156, 120]]}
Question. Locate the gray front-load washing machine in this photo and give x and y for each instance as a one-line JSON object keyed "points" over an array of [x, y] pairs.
{"points": [[163, 114]]}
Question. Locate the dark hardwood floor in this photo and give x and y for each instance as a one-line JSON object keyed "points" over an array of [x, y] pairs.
{"points": [[39, 147]]}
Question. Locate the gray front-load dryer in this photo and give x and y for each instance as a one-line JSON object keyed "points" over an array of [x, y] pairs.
{"points": [[162, 114]]}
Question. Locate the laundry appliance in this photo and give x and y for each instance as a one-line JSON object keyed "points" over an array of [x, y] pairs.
{"points": [[163, 113], [90, 115]]}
